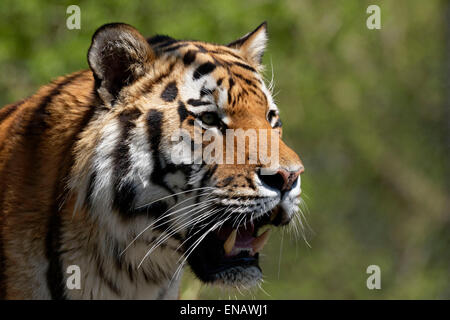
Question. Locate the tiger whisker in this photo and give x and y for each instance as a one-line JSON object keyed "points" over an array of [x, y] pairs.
{"points": [[202, 226], [196, 243], [201, 204], [186, 221], [167, 236], [199, 240], [164, 215], [173, 195], [207, 224]]}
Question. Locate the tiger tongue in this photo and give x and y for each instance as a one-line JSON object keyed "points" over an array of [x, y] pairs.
{"points": [[239, 238]]}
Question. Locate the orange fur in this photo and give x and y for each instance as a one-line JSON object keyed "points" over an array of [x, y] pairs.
{"points": [[49, 139]]}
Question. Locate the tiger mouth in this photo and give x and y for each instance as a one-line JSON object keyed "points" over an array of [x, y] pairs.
{"points": [[230, 254]]}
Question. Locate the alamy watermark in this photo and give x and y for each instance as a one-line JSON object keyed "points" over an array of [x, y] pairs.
{"points": [[73, 281], [374, 280], [74, 20], [374, 20]]}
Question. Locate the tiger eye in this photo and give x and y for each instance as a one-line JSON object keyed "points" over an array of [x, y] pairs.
{"points": [[210, 118]]}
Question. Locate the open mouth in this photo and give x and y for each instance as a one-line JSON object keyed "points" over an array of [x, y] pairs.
{"points": [[230, 254]]}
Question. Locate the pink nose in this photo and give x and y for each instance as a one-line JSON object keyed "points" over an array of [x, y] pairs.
{"points": [[282, 180], [289, 177]]}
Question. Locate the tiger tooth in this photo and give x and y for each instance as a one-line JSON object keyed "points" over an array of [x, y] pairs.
{"points": [[263, 229], [273, 215], [259, 242], [229, 243]]}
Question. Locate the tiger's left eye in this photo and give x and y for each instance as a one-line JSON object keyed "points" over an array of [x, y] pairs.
{"points": [[210, 119]]}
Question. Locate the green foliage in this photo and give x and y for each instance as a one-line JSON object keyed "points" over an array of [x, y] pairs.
{"points": [[365, 109]]}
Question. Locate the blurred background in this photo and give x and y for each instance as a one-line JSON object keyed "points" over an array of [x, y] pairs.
{"points": [[367, 110]]}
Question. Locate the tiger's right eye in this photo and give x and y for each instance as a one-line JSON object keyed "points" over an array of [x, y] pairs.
{"points": [[210, 119]]}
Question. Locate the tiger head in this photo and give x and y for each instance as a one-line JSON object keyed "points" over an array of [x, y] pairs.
{"points": [[144, 174]]}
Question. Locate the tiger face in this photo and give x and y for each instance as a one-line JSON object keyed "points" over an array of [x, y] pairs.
{"points": [[145, 184]]}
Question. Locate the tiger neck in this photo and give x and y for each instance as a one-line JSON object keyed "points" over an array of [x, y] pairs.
{"points": [[109, 272]]}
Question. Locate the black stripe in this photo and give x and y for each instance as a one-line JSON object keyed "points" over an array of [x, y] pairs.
{"points": [[197, 102], [250, 183], [90, 189], [189, 57], [245, 66], [230, 98], [203, 70], [124, 196], [154, 123], [6, 111], [208, 174], [226, 52], [38, 123], [159, 42], [148, 86], [158, 39], [231, 84], [124, 192], [176, 47], [261, 97], [205, 91], [182, 111], [55, 278], [170, 92], [248, 81], [165, 44]]}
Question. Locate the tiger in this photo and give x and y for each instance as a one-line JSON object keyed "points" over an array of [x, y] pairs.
{"points": [[89, 179]]}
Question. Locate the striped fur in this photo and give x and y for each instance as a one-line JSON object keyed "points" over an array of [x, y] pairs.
{"points": [[85, 160]]}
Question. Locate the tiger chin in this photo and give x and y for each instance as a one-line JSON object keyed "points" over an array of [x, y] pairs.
{"points": [[88, 177]]}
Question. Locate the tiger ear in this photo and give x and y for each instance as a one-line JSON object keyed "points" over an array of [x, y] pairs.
{"points": [[118, 56], [253, 44]]}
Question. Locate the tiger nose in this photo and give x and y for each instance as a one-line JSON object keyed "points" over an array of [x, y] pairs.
{"points": [[283, 179], [289, 178]]}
